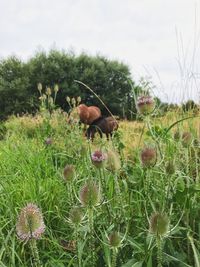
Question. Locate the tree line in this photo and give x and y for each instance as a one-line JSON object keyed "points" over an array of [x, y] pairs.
{"points": [[111, 80]]}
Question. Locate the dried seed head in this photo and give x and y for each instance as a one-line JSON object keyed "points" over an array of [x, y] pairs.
{"points": [[145, 105], [113, 162], [98, 158], [56, 88], [78, 100], [148, 157], [68, 99], [76, 215], [30, 223], [48, 91], [159, 224], [69, 173], [114, 239], [170, 167], [186, 139], [39, 87], [90, 194]]}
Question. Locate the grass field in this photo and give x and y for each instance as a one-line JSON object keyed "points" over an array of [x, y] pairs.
{"points": [[129, 211]]}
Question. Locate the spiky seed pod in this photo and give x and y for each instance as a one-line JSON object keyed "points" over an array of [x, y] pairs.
{"points": [[145, 105], [48, 91], [90, 194], [78, 100], [177, 136], [48, 141], [159, 223], [148, 157], [114, 239], [170, 167], [76, 215], [186, 139], [39, 87], [56, 88], [30, 223], [69, 173], [113, 162], [98, 159]]}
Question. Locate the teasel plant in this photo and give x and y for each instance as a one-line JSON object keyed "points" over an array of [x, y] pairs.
{"points": [[90, 197], [76, 219], [159, 226], [30, 227]]}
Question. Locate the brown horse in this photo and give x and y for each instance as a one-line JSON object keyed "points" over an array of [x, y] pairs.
{"points": [[102, 125], [88, 114]]}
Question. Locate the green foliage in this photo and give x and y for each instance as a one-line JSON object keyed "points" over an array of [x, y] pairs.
{"points": [[109, 79]]}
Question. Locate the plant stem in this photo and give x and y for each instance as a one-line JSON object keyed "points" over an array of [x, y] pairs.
{"points": [[35, 252], [159, 251], [114, 257], [91, 233]]}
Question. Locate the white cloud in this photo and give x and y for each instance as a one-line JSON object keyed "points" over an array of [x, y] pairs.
{"points": [[139, 32]]}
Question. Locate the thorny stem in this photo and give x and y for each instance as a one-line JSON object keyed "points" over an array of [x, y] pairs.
{"points": [[159, 251], [91, 233], [114, 257], [35, 252]]}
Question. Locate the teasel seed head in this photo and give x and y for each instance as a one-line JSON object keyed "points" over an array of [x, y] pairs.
{"points": [[90, 194], [113, 162], [159, 223], [98, 158], [186, 139], [69, 173], [148, 157], [114, 239], [76, 215], [30, 224], [145, 105]]}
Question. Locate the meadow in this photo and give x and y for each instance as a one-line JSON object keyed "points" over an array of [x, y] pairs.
{"points": [[130, 210]]}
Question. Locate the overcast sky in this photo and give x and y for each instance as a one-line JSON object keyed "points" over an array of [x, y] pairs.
{"points": [[158, 38]]}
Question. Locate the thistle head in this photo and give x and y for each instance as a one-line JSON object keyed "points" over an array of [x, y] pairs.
{"points": [[76, 216], [98, 158], [30, 223], [90, 194], [69, 173], [114, 239], [159, 223], [145, 105], [148, 157]]}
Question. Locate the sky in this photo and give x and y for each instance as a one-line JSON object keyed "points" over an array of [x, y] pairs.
{"points": [[158, 39]]}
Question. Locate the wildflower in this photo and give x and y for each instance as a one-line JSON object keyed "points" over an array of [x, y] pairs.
{"points": [[159, 223], [98, 159], [113, 162], [69, 172], [145, 105], [76, 216], [30, 224], [148, 157], [90, 194], [114, 239], [186, 139]]}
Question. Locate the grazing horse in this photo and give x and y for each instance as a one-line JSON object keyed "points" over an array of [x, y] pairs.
{"points": [[102, 125], [88, 114]]}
